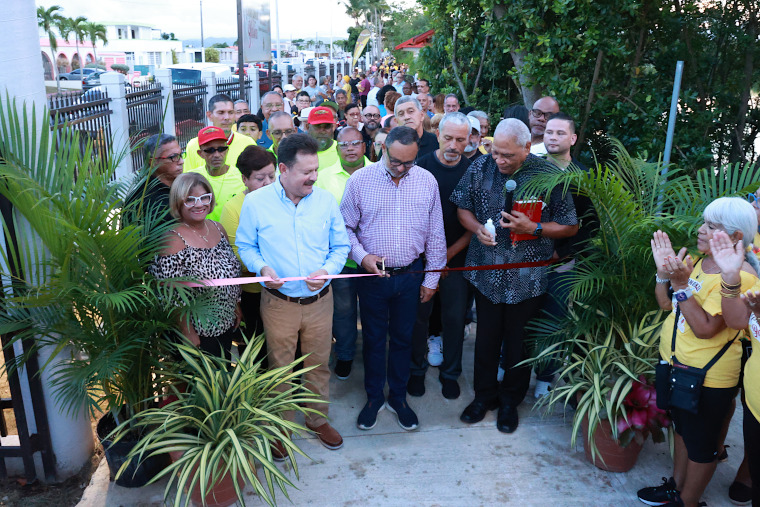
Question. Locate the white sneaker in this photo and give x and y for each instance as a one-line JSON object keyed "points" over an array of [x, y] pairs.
{"points": [[542, 388], [435, 351], [469, 330], [500, 374]]}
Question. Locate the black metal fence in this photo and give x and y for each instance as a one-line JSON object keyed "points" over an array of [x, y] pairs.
{"points": [[189, 109], [146, 114], [88, 114], [231, 86]]}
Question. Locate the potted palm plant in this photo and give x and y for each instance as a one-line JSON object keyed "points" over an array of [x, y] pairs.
{"points": [[222, 423], [80, 287], [607, 344]]}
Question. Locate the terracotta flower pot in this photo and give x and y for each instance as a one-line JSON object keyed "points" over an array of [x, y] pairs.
{"points": [[221, 495], [610, 455]]}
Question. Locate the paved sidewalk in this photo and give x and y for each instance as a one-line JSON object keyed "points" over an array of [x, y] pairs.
{"points": [[448, 463]]}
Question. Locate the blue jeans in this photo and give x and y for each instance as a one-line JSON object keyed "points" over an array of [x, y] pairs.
{"points": [[388, 307], [344, 314], [454, 298]]}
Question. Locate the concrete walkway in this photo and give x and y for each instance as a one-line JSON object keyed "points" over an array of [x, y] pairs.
{"points": [[448, 463]]}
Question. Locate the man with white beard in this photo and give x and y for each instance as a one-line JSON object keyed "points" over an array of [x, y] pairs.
{"points": [[471, 150], [447, 164]]}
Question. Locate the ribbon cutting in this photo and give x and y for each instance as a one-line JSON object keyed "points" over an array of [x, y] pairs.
{"points": [[219, 282]]}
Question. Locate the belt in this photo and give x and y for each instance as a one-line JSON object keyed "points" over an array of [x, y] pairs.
{"points": [[301, 301], [402, 269]]}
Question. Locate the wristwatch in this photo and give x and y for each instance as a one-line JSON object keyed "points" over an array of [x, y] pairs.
{"points": [[683, 294], [539, 230]]}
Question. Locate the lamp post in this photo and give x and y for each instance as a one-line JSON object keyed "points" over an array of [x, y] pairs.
{"points": [[203, 49]]}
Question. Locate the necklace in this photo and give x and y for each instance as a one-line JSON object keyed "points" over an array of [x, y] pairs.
{"points": [[202, 236]]}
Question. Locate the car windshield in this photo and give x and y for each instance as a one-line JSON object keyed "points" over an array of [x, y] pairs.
{"points": [[185, 76]]}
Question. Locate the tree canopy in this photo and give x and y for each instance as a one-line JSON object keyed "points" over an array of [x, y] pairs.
{"points": [[611, 65]]}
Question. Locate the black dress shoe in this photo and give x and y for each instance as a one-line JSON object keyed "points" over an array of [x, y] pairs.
{"points": [[507, 420], [416, 385], [477, 410]]}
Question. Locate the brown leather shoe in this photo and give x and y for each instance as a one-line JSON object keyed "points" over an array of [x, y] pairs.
{"points": [[329, 437], [279, 452]]}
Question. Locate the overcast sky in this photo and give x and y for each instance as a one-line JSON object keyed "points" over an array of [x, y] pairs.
{"points": [[300, 18]]}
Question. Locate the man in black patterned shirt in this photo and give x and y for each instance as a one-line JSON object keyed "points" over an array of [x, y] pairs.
{"points": [[507, 299]]}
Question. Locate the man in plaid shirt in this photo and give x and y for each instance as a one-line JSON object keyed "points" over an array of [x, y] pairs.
{"points": [[393, 216]]}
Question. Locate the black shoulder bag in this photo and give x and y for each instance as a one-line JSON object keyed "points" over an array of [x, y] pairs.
{"points": [[679, 385]]}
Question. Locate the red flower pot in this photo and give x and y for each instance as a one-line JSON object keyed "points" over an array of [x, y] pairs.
{"points": [[610, 456]]}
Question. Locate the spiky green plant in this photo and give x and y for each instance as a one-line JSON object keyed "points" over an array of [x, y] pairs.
{"points": [[78, 273], [612, 285], [223, 422]]}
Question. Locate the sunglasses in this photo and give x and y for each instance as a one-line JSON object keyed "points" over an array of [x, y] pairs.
{"points": [[174, 158], [211, 151], [203, 200], [346, 144], [537, 113]]}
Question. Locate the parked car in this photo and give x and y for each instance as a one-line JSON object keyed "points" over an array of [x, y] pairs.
{"points": [[76, 74], [92, 80]]}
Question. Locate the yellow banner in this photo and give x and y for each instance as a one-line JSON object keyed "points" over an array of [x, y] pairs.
{"points": [[361, 43]]}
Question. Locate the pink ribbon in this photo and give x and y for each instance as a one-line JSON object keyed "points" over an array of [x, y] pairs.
{"points": [[219, 282]]}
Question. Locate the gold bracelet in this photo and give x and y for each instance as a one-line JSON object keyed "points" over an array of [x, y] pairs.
{"points": [[729, 295], [730, 285]]}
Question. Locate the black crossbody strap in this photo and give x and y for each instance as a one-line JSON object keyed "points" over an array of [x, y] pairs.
{"points": [[721, 352], [675, 323]]}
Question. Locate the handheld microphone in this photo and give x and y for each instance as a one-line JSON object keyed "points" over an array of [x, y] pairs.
{"points": [[510, 186]]}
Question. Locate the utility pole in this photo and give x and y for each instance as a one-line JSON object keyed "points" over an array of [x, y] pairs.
{"points": [[203, 49], [241, 51]]}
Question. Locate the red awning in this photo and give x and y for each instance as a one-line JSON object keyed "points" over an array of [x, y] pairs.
{"points": [[418, 41]]}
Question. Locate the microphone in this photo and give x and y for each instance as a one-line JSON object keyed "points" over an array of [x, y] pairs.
{"points": [[510, 187]]}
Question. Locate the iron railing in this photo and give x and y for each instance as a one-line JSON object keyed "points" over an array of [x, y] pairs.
{"points": [[231, 86], [145, 111], [89, 115], [189, 109]]}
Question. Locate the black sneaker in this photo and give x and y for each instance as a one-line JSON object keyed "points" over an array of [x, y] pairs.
{"points": [[449, 388], [416, 385], [660, 495], [740, 494], [368, 416], [407, 419], [343, 369]]}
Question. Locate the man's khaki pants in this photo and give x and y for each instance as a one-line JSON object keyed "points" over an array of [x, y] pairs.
{"points": [[284, 323]]}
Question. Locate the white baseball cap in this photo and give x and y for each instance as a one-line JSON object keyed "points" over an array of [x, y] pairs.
{"points": [[474, 123]]}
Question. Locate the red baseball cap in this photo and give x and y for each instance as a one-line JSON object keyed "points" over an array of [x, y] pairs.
{"points": [[208, 134], [320, 115]]}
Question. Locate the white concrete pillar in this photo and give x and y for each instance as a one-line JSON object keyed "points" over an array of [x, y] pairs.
{"points": [[113, 82], [255, 93], [71, 435], [210, 79], [164, 77]]}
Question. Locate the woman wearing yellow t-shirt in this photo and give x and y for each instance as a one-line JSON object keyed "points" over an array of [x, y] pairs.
{"points": [[701, 332], [257, 167], [746, 312]]}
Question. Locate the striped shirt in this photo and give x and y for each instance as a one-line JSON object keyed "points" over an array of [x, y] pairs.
{"points": [[398, 222]]}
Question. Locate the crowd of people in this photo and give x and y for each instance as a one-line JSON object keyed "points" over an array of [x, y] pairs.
{"points": [[373, 174]]}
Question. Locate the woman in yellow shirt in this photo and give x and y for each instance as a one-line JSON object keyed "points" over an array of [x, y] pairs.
{"points": [[257, 167], [746, 312], [702, 329]]}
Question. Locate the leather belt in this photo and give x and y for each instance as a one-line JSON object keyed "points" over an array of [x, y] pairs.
{"points": [[402, 269], [301, 301]]}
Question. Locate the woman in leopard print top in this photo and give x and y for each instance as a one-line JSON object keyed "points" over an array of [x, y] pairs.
{"points": [[199, 248]]}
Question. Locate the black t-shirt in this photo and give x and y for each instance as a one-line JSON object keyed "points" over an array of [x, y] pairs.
{"points": [[588, 222], [428, 143], [448, 177], [353, 82]]}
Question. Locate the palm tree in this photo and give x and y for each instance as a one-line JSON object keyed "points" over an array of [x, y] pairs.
{"points": [[78, 29], [356, 9], [48, 19], [96, 32]]}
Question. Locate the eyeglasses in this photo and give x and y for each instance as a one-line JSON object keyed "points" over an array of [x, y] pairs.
{"points": [[276, 105], [354, 115], [211, 151], [204, 200], [174, 157], [753, 200], [346, 144], [278, 133], [537, 113], [372, 115], [397, 163]]}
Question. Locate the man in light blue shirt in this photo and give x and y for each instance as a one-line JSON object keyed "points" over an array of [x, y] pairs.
{"points": [[289, 229]]}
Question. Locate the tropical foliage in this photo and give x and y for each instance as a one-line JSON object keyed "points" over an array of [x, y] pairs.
{"points": [[609, 339], [611, 66], [223, 421], [79, 286]]}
